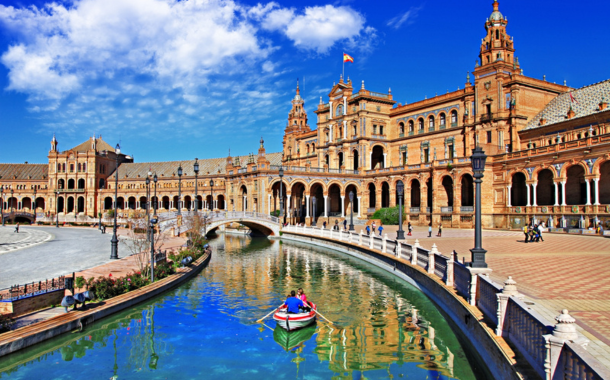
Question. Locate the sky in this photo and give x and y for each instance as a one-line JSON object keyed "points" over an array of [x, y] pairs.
{"points": [[175, 80]]}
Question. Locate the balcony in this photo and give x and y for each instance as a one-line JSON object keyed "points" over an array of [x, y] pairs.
{"points": [[453, 125], [401, 135], [411, 133], [467, 209], [414, 210], [487, 117], [70, 190], [446, 209]]}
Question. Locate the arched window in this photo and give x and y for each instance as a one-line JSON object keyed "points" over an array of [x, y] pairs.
{"points": [[454, 118], [381, 129], [402, 128], [339, 111], [313, 147], [442, 120], [85, 167], [420, 124], [411, 126], [307, 148], [431, 123]]}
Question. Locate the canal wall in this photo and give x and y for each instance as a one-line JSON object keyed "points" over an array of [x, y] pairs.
{"points": [[79, 319], [511, 339]]}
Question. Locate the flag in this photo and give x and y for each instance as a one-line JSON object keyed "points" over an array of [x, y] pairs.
{"points": [[347, 58], [572, 98]]}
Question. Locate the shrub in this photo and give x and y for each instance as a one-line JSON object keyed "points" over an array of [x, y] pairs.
{"points": [[389, 215], [80, 282], [275, 213]]}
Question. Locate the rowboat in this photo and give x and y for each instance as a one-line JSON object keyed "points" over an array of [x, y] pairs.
{"points": [[289, 340], [292, 322]]}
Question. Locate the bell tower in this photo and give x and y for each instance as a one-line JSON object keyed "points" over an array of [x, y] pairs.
{"points": [[297, 117], [497, 48]]}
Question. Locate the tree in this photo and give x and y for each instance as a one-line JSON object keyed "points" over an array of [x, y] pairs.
{"points": [[138, 243]]}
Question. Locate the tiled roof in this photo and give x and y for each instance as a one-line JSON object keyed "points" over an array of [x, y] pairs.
{"points": [[100, 145], [170, 168], [586, 103], [8, 172]]}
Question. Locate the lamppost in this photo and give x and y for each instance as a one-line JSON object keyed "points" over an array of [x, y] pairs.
{"points": [[148, 205], [56, 209], [153, 221], [351, 215], [196, 169], [179, 187], [34, 206], [313, 220], [281, 174], [478, 166], [156, 200], [2, 205], [114, 242], [211, 195], [12, 201], [400, 188]]}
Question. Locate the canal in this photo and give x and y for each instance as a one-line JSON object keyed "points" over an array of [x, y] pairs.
{"points": [[383, 327]]}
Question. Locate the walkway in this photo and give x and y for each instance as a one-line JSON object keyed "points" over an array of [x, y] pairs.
{"points": [[563, 272], [25, 238]]}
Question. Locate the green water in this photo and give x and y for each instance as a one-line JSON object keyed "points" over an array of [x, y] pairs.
{"points": [[206, 329]]}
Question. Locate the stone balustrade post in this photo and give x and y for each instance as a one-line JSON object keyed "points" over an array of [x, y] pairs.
{"points": [[321, 231], [398, 249], [414, 252], [330, 233], [474, 277], [340, 235], [360, 239], [510, 289], [565, 330], [385, 243], [432, 258], [449, 269], [371, 241]]}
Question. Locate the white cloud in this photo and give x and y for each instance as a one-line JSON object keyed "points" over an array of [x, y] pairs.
{"points": [[406, 17]]}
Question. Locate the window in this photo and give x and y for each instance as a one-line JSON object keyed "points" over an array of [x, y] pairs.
{"points": [[426, 155], [442, 120], [401, 127], [474, 109], [404, 158], [378, 108], [313, 148], [507, 98], [450, 151], [431, 123], [374, 129], [339, 111], [420, 124], [381, 129], [411, 126], [488, 106], [497, 34], [489, 137]]}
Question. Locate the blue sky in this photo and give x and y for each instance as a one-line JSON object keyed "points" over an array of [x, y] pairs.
{"points": [[175, 80]]}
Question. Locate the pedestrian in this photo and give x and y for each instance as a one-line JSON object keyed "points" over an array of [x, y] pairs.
{"points": [[17, 228], [410, 229], [368, 230], [526, 232], [345, 224], [430, 229], [324, 225], [380, 228], [440, 230], [336, 228], [374, 228], [538, 233]]}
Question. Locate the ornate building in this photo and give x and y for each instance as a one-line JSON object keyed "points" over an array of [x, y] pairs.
{"points": [[547, 144]]}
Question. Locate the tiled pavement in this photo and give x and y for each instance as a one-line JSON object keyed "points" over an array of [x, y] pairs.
{"points": [[25, 238], [564, 271]]}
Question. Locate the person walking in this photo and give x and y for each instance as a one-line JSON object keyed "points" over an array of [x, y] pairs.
{"points": [[374, 228], [17, 228], [430, 229], [345, 224], [380, 229], [324, 225], [368, 230], [440, 230], [526, 232], [410, 229]]}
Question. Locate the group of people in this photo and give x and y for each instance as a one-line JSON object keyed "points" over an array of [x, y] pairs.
{"points": [[296, 302], [373, 228], [533, 233]]}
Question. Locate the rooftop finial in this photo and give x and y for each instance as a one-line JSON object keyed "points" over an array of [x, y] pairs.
{"points": [[321, 100], [362, 88], [468, 77], [262, 141]]}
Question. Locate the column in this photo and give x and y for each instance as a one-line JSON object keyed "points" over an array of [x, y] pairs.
{"points": [[371, 160], [330, 104], [556, 194], [137, 205], [528, 194], [596, 191], [269, 205], [288, 207], [244, 204], [588, 182], [344, 128], [343, 206], [344, 106], [171, 205], [359, 208], [326, 206], [332, 129], [509, 203], [385, 165], [534, 185], [307, 206], [563, 193]]}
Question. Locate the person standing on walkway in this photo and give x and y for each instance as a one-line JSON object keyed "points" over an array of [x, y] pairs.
{"points": [[440, 230], [409, 228], [368, 230], [526, 232], [324, 225], [380, 229], [430, 229], [374, 228], [345, 224], [17, 228]]}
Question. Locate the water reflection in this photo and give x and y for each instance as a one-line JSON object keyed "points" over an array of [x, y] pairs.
{"points": [[207, 327]]}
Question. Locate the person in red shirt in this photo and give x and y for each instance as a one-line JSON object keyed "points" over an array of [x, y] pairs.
{"points": [[301, 295]]}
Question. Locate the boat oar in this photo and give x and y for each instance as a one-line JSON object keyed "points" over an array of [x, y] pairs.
{"points": [[272, 311], [327, 320]]}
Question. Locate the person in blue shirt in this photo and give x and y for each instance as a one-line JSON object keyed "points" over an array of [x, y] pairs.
{"points": [[293, 303]]}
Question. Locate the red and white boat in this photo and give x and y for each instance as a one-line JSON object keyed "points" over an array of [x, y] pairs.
{"points": [[291, 322]]}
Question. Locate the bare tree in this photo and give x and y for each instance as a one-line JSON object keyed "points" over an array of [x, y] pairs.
{"points": [[138, 243]]}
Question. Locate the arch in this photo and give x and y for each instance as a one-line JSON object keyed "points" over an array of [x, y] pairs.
{"points": [[415, 193], [120, 203], [545, 188], [199, 202], [296, 206], [208, 202], [307, 148], [164, 202], [604, 183], [131, 203], [108, 203], [340, 159], [81, 183], [80, 205], [401, 128], [372, 195], [275, 195], [71, 183], [385, 195], [431, 123], [351, 188], [429, 191], [61, 184], [60, 204], [143, 203], [187, 202], [70, 207], [334, 200], [411, 126], [313, 147], [447, 197], [220, 202], [327, 160], [355, 159], [467, 191], [26, 202], [454, 118], [420, 124], [442, 120], [40, 203], [576, 188], [377, 157], [518, 189]]}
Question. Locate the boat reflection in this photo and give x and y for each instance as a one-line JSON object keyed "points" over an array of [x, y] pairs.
{"points": [[289, 340]]}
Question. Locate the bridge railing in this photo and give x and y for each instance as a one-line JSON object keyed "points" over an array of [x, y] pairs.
{"points": [[546, 346]]}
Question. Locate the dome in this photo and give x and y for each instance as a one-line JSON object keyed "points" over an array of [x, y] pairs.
{"points": [[496, 16]]}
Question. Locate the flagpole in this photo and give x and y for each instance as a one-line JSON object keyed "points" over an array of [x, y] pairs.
{"points": [[343, 59]]}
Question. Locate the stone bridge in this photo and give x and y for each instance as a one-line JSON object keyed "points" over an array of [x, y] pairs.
{"points": [[256, 221]]}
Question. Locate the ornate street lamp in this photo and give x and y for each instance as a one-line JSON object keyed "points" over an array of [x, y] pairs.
{"points": [[211, 195], [156, 200], [34, 206], [196, 169], [12, 201], [478, 166], [179, 188], [400, 188], [153, 221], [114, 242], [148, 206], [56, 209], [281, 174], [351, 216], [313, 220], [2, 205]]}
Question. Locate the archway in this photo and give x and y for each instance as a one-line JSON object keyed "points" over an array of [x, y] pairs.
{"points": [[348, 189], [317, 191], [70, 204], [243, 190], [81, 183], [71, 183], [334, 200], [372, 197], [467, 191], [107, 203], [39, 203], [448, 186], [355, 162], [545, 189], [176, 205], [164, 202], [377, 161], [131, 203], [187, 202], [221, 202], [26, 203], [199, 202], [385, 195], [120, 203], [60, 204], [297, 203], [576, 188], [80, 204], [415, 194], [429, 193], [275, 196], [60, 184], [142, 203], [208, 202], [604, 183], [12, 203]]}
